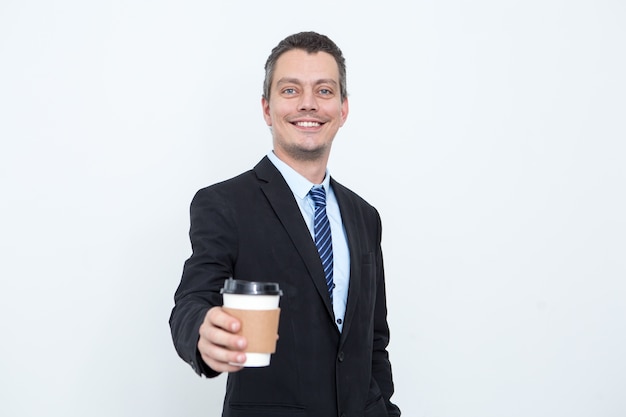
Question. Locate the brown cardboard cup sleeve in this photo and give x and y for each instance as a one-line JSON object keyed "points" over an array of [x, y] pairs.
{"points": [[259, 327]]}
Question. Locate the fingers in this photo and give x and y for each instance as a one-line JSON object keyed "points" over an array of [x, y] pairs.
{"points": [[219, 359], [219, 318], [218, 344]]}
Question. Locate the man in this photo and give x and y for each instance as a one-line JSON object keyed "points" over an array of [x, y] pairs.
{"points": [[331, 357]]}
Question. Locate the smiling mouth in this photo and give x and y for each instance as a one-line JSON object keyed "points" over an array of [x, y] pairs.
{"points": [[308, 124]]}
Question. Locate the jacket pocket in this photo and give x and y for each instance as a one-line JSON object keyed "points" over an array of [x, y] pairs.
{"points": [[377, 408], [375, 405]]}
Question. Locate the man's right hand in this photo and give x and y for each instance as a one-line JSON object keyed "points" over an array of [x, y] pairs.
{"points": [[219, 345]]}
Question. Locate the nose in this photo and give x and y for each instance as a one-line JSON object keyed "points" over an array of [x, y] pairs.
{"points": [[308, 101]]}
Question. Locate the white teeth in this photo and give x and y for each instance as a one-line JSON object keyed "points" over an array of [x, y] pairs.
{"points": [[308, 124]]}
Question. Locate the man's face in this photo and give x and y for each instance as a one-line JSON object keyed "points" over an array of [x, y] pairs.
{"points": [[304, 110]]}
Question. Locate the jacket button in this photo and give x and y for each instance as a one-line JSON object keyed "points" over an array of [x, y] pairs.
{"points": [[340, 357]]}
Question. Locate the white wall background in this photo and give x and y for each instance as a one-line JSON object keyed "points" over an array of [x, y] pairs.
{"points": [[490, 135]]}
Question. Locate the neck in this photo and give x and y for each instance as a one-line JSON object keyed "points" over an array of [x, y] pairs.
{"points": [[313, 170]]}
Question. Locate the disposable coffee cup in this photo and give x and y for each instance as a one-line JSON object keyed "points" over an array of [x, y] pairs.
{"points": [[255, 304]]}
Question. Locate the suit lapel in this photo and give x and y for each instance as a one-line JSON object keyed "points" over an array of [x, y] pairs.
{"points": [[349, 216], [286, 208]]}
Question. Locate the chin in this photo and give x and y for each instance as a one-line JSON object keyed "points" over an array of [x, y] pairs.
{"points": [[308, 154]]}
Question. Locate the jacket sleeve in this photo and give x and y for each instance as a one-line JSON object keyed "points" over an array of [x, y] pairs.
{"points": [[213, 241], [381, 366]]}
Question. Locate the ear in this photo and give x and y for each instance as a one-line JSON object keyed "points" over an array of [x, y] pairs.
{"points": [[345, 108], [265, 104]]}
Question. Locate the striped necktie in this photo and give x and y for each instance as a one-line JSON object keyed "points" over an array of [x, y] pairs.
{"points": [[323, 238]]}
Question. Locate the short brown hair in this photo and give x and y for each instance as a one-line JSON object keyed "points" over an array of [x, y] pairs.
{"points": [[310, 42]]}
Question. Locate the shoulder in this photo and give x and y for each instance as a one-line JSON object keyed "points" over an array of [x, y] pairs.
{"points": [[242, 190], [228, 185], [351, 202], [263, 172], [344, 193]]}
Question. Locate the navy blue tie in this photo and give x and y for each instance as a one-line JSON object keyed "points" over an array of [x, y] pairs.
{"points": [[323, 238]]}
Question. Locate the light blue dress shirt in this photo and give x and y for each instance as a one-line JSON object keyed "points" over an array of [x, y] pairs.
{"points": [[300, 187]]}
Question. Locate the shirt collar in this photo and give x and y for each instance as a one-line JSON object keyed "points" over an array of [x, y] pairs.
{"points": [[299, 185]]}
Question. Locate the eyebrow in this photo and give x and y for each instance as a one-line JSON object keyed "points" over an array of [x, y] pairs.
{"points": [[297, 81]]}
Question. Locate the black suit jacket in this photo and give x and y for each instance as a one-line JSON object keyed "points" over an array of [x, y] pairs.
{"points": [[250, 228]]}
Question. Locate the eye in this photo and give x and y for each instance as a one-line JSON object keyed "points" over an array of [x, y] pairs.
{"points": [[289, 91], [325, 92]]}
